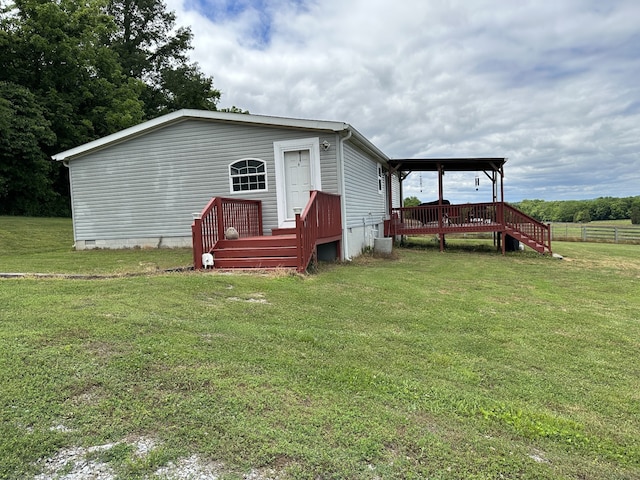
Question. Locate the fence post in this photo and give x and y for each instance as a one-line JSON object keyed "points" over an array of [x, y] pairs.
{"points": [[615, 234], [584, 234]]}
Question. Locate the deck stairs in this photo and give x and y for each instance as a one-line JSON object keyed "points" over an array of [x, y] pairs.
{"points": [[528, 241], [319, 223], [527, 230], [278, 250]]}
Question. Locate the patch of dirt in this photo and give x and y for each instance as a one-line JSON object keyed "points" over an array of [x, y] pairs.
{"points": [[79, 463], [72, 464], [251, 298]]}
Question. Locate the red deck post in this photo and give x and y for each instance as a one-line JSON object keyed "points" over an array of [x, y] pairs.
{"points": [[440, 195], [300, 231], [196, 237]]}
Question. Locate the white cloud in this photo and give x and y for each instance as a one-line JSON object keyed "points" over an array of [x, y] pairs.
{"points": [[551, 85]]}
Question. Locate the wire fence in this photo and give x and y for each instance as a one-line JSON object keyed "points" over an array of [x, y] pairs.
{"points": [[576, 232]]}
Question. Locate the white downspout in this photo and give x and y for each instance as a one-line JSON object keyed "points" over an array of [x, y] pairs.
{"points": [[343, 200]]}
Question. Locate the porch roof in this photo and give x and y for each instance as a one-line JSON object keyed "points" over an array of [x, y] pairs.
{"points": [[447, 164]]}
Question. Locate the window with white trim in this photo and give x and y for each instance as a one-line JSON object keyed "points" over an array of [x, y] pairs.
{"points": [[248, 174], [380, 179]]}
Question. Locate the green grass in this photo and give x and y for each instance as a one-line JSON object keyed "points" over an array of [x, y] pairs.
{"points": [[463, 364], [45, 245]]}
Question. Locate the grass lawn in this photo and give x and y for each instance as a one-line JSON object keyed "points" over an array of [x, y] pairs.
{"points": [[463, 364]]}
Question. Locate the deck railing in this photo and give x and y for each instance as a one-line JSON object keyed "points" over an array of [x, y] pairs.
{"points": [[470, 216], [320, 220], [209, 226], [528, 226]]}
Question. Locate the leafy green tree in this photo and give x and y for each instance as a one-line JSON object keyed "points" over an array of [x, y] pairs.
{"points": [[635, 213], [25, 184], [153, 50], [620, 208], [411, 202], [602, 208], [533, 208], [87, 69], [582, 216], [56, 51]]}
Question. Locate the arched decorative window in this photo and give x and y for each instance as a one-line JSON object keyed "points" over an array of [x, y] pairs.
{"points": [[248, 174]]}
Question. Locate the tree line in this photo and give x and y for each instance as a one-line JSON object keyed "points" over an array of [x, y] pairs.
{"points": [[582, 211], [73, 71]]}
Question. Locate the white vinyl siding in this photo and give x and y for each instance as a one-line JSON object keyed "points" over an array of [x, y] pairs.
{"points": [[150, 185], [364, 204]]}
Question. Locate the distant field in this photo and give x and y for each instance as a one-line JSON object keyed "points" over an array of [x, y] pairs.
{"points": [[610, 231], [465, 364]]}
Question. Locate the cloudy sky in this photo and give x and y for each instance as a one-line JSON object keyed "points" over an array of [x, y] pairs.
{"points": [[554, 85]]}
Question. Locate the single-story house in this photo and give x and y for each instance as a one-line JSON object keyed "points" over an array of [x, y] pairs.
{"points": [[145, 185]]}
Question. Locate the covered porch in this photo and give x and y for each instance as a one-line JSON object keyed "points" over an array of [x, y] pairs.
{"points": [[442, 218]]}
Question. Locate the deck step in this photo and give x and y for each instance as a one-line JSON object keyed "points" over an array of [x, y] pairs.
{"points": [[283, 231], [279, 251], [528, 241], [258, 242], [253, 251], [257, 262]]}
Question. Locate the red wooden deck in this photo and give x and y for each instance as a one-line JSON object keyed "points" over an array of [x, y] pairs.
{"points": [[497, 217], [443, 218], [319, 223]]}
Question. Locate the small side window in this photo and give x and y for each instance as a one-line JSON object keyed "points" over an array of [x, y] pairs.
{"points": [[248, 174], [380, 179]]}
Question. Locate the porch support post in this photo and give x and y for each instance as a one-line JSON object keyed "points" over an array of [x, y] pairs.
{"points": [[401, 193], [440, 194], [390, 191], [504, 231]]}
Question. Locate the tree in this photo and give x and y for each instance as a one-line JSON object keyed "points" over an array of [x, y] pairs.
{"points": [[56, 51], [635, 213], [152, 50], [411, 202], [582, 216], [87, 69], [25, 184], [602, 208]]}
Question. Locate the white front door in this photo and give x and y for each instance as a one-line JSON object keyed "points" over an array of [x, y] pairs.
{"points": [[297, 173], [297, 180]]}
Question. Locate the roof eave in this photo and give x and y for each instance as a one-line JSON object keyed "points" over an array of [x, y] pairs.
{"points": [[366, 145], [186, 114]]}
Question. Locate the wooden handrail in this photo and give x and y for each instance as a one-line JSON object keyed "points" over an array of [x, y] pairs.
{"points": [[217, 216], [529, 226], [444, 216], [321, 218]]}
